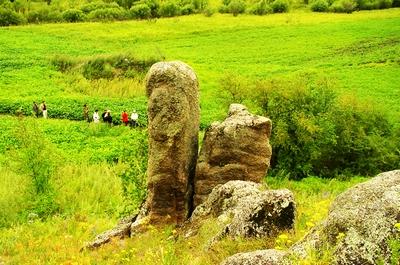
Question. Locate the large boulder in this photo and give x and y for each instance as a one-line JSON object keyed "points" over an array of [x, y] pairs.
{"points": [[173, 126], [246, 209], [360, 224], [235, 149]]}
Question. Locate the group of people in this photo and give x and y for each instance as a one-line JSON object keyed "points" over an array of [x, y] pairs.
{"points": [[39, 109], [107, 118]]}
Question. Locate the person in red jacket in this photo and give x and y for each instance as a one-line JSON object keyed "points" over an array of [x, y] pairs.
{"points": [[124, 118]]}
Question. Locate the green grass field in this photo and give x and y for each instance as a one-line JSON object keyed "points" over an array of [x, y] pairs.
{"points": [[359, 53]]}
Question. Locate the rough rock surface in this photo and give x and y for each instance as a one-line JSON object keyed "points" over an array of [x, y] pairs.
{"points": [[259, 257], [359, 225], [360, 222], [173, 115], [236, 149], [246, 210]]}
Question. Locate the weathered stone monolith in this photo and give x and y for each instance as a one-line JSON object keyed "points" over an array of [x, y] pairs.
{"points": [[173, 126], [236, 149]]}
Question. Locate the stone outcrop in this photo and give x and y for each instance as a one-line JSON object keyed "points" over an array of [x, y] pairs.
{"points": [[259, 257], [246, 209], [235, 149], [360, 223], [121, 230], [173, 126]]}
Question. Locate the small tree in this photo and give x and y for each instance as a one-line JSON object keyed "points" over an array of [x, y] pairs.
{"points": [[37, 159]]}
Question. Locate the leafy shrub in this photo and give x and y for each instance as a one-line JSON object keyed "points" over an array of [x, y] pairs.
{"points": [[317, 133], [199, 5], [134, 178], [169, 9], [223, 9], [108, 14], [187, 9], [98, 5], [385, 4], [236, 7], [280, 6], [9, 17], [368, 4], [233, 88], [154, 7], [73, 15], [140, 11], [261, 8], [38, 160], [127, 4], [319, 6], [209, 11], [396, 3], [343, 6], [43, 15]]}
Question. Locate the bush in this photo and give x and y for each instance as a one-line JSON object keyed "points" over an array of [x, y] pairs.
{"points": [[343, 6], [209, 11], [261, 8], [280, 6], [396, 3], [317, 133], [385, 4], [169, 9], [9, 17], [199, 5], [127, 4], [73, 15], [319, 6], [187, 9], [154, 7], [236, 7], [368, 4], [44, 15], [98, 5], [108, 14], [134, 178], [38, 160], [223, 9], [140, 11]]}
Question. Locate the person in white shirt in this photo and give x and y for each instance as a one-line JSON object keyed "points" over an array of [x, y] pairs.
{"points": [[96, 117], [134, 118]]}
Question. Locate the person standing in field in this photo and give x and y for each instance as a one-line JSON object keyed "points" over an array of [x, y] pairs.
{"points": [[35, 109], [85, 112], [109, 117], [125, 118], [134, 118], [96, 117], [43, 108], [104, 116]]}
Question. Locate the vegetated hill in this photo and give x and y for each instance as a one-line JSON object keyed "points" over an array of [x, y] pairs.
{"points": [[359, 52]]}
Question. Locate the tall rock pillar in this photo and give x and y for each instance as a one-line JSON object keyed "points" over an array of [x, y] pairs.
{"points": [[173, 124]]}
